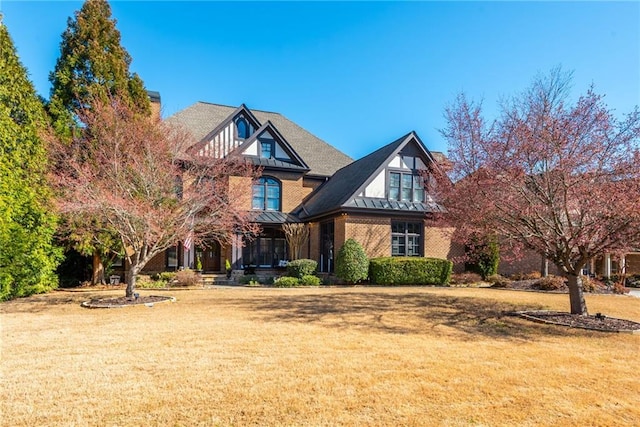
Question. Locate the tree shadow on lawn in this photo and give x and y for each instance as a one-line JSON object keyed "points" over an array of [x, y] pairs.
{"points": [[40, 302], [410, 313]]}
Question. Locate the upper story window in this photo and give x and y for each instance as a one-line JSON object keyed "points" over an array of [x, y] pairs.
{"points": [[266, 194], [267, 149], [407, 187], [243, 128]]}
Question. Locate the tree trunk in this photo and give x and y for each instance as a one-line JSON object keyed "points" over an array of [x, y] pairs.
{"points": [[576, 295], [131, 282], [98, 270]]}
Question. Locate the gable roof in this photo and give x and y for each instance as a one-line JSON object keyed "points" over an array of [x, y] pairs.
{"points": [[296, 161], [343, 188], [321, 158]]}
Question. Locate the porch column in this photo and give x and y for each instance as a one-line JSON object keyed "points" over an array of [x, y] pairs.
{"points": [[606, 268], [236, 252], [623, 264]]}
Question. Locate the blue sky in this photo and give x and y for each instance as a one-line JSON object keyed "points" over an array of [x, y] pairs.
{"points": [[358, 75]]}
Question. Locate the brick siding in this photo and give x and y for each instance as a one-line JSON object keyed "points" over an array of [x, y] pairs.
{"points": [[373, 233]]}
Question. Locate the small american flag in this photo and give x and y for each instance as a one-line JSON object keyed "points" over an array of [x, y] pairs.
{"points": [[188, 241]]}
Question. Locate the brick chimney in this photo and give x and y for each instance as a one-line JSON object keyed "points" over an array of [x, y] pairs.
{"points": [[154, 99]]}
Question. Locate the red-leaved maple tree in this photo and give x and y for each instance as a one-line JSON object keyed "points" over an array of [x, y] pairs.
{"points": [[133, 175], [559, 178]]}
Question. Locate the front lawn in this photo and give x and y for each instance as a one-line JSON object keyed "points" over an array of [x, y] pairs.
{"points": [[315, 356]]}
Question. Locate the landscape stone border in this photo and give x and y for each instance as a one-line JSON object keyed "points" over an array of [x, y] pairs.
{"points": [[121, 302], [596, 322]]}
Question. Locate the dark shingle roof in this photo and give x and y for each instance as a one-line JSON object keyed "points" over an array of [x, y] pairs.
{"points": [[347, 180], [343, 189], [322, 159]]}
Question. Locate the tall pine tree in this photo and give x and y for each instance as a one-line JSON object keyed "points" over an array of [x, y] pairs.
{"points": [[27, 256], [92, 65]]}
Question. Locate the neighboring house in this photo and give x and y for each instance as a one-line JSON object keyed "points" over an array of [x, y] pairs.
{"points": [[379, 200]]}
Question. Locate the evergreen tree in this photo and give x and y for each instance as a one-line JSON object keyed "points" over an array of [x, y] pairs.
{"points": [[27, 257], [92, 67], [92, 63]]}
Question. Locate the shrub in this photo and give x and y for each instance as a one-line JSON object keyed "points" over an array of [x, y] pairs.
{"points": [[533, 275], [286, 282], [352, 264], [465, 278], [590, 284], [550, 283], [248, 279], [484, 257], [410, 271], [618, 288], [498, 281], [187, 277], [310, 280], [166, 277], [301, 267]]}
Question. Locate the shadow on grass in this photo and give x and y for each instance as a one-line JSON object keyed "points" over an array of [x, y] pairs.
{"points": [[41, 302], [410, 313]]}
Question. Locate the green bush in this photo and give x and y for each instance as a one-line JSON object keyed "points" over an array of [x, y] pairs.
{"points": [[301, 267], [352, 264], [166, 276], [286, 282], [410, 271], [248, 279], [310, 280], [484, 257]]}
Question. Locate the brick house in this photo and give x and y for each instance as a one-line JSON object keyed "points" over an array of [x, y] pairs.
{"points": [[379, 200]]}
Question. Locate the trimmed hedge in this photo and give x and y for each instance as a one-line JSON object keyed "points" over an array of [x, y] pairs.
{"points": [[409, 271], [310, 280], [301, 267]]}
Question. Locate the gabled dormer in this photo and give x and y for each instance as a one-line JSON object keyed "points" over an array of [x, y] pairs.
{"points": [[268, 148], [229, 134], [391, 178], [402, 176]]}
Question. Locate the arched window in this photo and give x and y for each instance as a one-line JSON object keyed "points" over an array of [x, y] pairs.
{"points": [[266, 194], [243, 128]]}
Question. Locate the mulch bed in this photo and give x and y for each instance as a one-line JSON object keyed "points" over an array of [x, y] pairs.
{"points": [[596, 322], [118, 302]]}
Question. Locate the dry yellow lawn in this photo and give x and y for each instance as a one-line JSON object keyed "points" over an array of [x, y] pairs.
{"points": [[315, 357]]}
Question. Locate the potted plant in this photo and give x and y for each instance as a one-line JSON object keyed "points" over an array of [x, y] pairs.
{"points": [[227, 267], [198, 264]]}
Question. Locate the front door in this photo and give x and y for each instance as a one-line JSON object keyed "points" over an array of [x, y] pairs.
{"points": [[211, 257]]}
